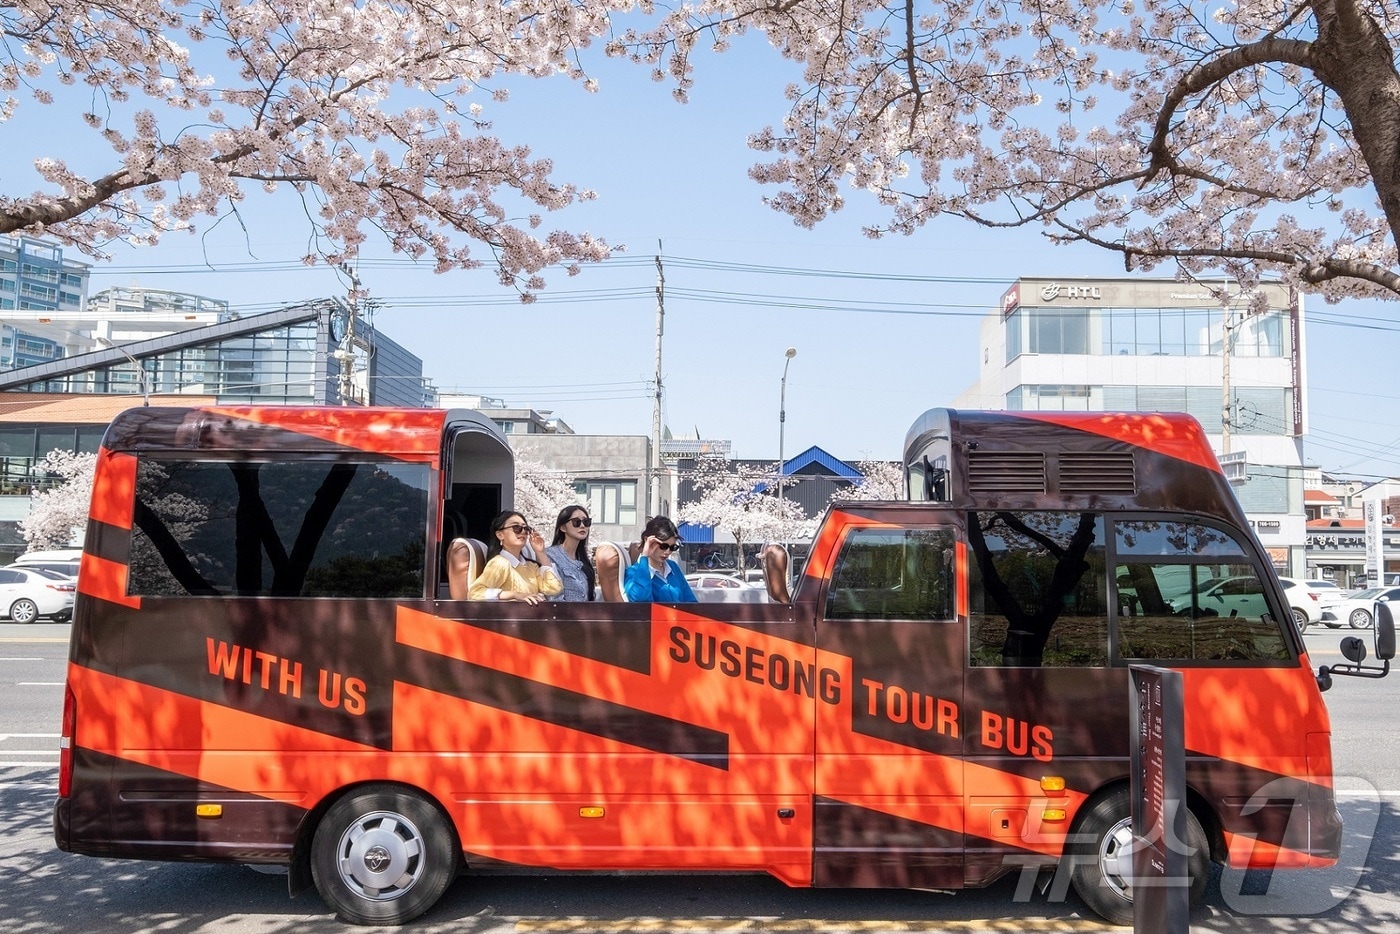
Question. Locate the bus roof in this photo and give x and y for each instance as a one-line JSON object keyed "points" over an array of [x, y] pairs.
{"points": [[410, 434]]}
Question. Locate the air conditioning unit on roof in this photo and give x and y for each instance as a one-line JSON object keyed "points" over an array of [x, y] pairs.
{"points": [[1234, 466]]}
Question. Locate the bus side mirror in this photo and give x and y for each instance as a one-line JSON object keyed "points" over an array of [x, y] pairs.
{"points": [[1354, 651], [1385, 632]]}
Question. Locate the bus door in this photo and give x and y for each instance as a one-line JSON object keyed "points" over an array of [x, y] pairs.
{"points": [[889, 774], [1042, 702]]}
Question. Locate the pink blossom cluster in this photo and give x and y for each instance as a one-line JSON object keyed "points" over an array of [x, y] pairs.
{"points": [[1249, 136], [356, 106]]}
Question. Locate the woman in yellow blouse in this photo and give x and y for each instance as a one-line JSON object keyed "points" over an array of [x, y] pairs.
{"points": [[508, 575]]}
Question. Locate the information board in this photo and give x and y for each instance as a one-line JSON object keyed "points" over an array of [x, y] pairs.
{"points": [[1161, 887]]}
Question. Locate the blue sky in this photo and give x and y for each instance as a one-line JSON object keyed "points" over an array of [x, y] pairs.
{"points": [[675, 175]]}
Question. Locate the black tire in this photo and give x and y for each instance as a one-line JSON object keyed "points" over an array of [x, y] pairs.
{"points": [[24, 610], [1301, 619], [383, 855], [1359, 619], [1102, 851]]}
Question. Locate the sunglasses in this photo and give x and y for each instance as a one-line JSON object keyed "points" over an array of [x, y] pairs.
{"points": [[579, 523], [517, 528], [671, 547]]}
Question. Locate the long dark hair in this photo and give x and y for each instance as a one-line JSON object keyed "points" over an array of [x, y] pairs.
{"points": [[564, 516], [493, 547]]}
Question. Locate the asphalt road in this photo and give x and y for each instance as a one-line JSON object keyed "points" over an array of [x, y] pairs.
{"points": [[46, 890]]}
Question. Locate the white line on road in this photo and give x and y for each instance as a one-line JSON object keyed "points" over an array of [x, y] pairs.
{"points": [[42, 684], [27, 658]]}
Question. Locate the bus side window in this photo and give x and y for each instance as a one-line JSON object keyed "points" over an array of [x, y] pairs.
{"points": [[1036, 589], [893, 574], [288, 528], [1198, 599]]}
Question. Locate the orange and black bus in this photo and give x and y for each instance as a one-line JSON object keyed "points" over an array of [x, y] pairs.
{"points": [[268, 665]]}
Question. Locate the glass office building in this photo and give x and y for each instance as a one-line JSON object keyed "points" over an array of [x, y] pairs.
{"points": [[1158, 345], [280, 357]]}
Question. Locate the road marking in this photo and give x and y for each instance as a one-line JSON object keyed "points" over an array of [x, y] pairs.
{"points": [[28, 752], [40, 684], [23, 765], [28, 639], [809, 925], [5, 736], [26, 658]]}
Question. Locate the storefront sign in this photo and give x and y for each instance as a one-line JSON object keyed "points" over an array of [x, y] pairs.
{"points": [[1011, 300], [1054, 290]]}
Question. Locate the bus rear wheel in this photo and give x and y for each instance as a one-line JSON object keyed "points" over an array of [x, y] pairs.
{"points": [[1103, 857], [382, 855]]}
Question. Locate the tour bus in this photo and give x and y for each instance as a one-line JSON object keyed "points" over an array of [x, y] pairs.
{"points": [[270, 664]]}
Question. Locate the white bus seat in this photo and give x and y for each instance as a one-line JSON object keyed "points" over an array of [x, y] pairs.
{"points": [[775, 573], [611, 560], [465, 559]]}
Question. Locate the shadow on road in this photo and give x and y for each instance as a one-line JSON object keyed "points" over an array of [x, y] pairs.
{"points": [[46, 890]]}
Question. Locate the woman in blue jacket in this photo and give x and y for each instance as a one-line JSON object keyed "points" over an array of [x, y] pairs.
{"points": [[655, 578]]}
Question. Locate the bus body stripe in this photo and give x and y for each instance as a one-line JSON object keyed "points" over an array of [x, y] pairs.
{"points": [[1175, 436], [114, 489], [105, 580], [403, 433]]}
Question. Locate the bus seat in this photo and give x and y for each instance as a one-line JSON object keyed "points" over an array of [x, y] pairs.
{"points": [[775, 573], [611, 559], [465, 559]]}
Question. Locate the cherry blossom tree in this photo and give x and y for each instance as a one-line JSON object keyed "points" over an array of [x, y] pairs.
{"points": [[362, 109], [880, 480], [540, 492], [58, 516], [740, 500], [1245, 137]]}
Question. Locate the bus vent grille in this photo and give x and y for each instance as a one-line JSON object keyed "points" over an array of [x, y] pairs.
{"points": [[1006, 472], [1097, 472]]}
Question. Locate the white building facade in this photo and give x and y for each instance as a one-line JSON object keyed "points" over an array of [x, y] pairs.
{"points": [[1146, 345]]}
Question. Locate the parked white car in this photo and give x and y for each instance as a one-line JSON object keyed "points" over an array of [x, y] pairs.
{"points": [[1358, 610], [26, 594], [1304, 601], [709, 579], [64, 560]]}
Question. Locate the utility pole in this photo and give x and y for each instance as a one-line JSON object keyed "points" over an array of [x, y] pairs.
{"points": [[345, 353], [1227, 407], [654, 494]]}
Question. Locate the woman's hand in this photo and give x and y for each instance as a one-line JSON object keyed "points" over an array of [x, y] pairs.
{"points": [[537, 545], [520, 596], [651, 548]]}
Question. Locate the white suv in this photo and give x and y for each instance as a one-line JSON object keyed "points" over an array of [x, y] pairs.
{"points": [[1304, 601], [63, 560]]}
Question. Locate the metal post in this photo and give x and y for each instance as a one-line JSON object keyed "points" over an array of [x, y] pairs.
{"points": [[782, 416], [1227, 413], [141, 373], [654, 497]]}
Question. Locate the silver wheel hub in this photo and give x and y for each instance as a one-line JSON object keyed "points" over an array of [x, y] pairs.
{"points": [[380, 856], [1116, 858]]}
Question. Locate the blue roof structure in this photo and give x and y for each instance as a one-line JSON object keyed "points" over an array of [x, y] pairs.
{"points": [[832, 466]]}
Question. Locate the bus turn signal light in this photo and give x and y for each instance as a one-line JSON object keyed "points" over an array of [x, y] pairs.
{"points": [[1052, 783], [1051, 815], [590, 812], [209, 811]]}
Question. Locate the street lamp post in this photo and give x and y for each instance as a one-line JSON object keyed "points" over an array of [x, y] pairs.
{"points": [[140, 370], [782, 416]]}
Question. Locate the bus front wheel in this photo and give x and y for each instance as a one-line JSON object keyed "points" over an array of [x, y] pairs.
{"points": [[1103, 857], [382, 855]]}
